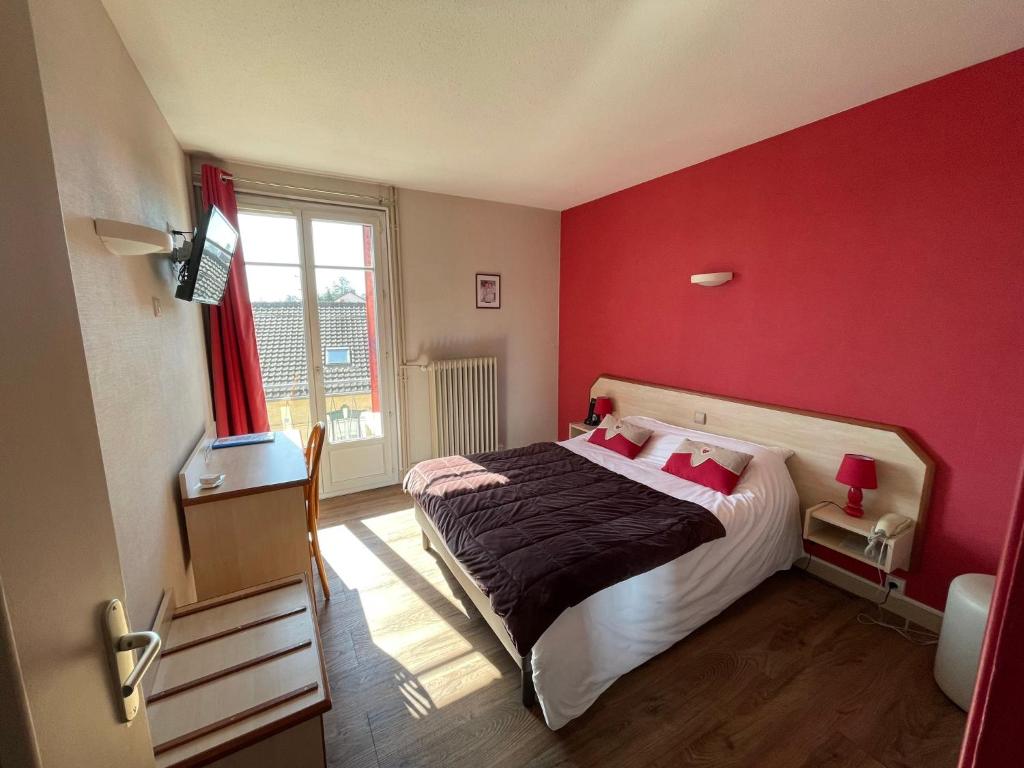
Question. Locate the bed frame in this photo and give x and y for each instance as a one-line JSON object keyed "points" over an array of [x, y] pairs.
{"points": [[818, 441]]}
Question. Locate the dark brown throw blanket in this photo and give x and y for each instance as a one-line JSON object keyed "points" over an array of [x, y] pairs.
{"points": [[540, 528]]}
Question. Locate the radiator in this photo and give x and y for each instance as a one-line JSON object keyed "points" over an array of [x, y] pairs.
{"points": [[464, 405]]}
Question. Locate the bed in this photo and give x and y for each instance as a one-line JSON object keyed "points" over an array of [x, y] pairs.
{"points": [[597, 639]]}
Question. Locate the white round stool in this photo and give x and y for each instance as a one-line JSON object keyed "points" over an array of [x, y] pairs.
{"points": [[963, 628]]}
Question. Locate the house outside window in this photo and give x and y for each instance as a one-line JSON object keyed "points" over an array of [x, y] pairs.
{"points": [[337, 356]]}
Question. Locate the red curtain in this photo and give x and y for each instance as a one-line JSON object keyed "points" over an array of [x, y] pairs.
{"points": [[993, 738], [239, 405]]}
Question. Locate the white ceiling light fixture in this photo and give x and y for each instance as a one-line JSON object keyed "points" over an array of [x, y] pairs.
{"points": [[711, 279]]}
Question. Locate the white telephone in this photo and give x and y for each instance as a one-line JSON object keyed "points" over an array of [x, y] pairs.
{"points": [[891, 525], [886, 527]]}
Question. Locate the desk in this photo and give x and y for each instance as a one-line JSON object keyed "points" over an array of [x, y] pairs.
{"points": [[252, 528]]}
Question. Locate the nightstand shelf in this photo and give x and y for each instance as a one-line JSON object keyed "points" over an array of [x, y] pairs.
{"points": [[577, 428], [829, 526]]}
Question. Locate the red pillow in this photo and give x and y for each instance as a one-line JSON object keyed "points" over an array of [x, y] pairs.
{"points": [[709, 465], [620, 436]]}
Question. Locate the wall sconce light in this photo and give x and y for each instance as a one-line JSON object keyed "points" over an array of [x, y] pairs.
{"points": [[124, 239], [711, 279]]}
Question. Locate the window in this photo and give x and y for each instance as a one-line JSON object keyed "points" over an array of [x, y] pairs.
{"points": [[271, 239], [337, 356]]}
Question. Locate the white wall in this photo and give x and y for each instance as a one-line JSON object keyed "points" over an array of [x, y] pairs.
{"points": [[58, 548], [116, 158], [444, 242]]}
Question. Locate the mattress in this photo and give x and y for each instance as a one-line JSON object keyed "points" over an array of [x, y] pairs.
{"points": [[592, 644]]}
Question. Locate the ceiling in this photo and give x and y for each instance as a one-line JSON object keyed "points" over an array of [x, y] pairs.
{"points": [[537, 102]]}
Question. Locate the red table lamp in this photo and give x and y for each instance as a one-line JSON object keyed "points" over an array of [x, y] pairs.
{"points": [[857, 472]]}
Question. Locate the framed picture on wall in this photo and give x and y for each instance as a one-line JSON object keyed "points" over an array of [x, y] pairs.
{"points": [[488, 291]]}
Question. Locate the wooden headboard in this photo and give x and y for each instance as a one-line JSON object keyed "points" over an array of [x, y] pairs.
{"points": [[818, 440]]}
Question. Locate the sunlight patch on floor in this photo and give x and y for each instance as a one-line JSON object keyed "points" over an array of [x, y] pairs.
{"points": [[359, 568], [394, 529], [393, 525], [426, 640], [457, 678], [440, 664], [356, 566]]}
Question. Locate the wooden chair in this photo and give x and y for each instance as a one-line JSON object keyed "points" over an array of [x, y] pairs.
{"points": [[315, 447]]}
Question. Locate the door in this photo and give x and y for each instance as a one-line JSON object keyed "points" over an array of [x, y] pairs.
{"points": [[351, 332], [328, 358]]}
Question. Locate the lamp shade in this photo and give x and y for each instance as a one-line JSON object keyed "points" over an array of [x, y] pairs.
{"points": [[603, 406], [857, 471]]}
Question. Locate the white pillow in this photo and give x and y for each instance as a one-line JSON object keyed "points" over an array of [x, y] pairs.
{"points": [[662, 427]]}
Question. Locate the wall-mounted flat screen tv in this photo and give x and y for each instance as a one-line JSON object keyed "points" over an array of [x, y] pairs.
{"points": [[205, 273]]}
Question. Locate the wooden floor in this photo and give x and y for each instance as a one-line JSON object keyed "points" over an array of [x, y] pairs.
{"points": [[785, 677]]}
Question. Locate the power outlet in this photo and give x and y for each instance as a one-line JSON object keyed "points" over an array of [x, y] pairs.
{"points": [[699, 417], [896, 585]]}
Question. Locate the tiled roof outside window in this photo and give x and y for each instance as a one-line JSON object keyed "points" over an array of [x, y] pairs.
{"points": [[281, 340]]}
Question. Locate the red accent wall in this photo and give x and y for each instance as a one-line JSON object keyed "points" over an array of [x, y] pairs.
{"points": [[879, 260]]}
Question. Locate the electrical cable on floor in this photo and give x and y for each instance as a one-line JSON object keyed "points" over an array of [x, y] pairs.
{"points": [[915, 636]]}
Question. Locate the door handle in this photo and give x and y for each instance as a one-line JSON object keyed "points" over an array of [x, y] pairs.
{"points": [[122, 643], [150, 643]]}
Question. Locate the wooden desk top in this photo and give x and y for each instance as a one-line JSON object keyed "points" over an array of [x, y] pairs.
{"points": [[248, 468]]}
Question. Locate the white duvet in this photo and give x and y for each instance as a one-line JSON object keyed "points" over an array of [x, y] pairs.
{"points": [[594, 643]]}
